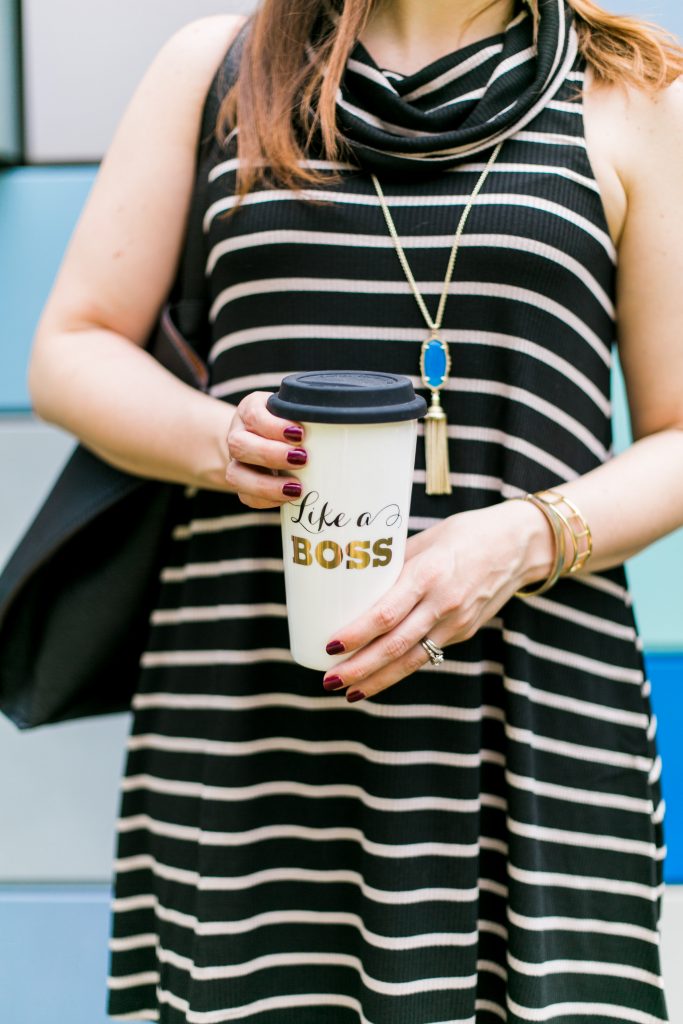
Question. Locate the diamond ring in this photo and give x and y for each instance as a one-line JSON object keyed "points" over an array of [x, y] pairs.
{"points": [[435, 653]]}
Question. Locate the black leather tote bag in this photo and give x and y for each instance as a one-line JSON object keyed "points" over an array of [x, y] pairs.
{"points": [[76, 593]]}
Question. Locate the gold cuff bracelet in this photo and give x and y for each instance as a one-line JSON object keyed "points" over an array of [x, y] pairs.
{"points": [[560, 513]]}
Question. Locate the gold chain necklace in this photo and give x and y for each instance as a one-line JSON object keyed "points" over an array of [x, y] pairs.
{"points": [[435, 359]]}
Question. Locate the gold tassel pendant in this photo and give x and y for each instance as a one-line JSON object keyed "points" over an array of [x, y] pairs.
{"points": [[435, 366], [436, 448]]}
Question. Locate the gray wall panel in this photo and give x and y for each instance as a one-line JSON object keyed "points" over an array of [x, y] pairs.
{"points": [[58, 798], [83, 61]]}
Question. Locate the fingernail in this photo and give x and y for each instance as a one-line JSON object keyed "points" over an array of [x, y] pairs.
{"points": [[292, 490], [353, 695], [335, 647], [293, 433], [333, 683], [297, 456]]}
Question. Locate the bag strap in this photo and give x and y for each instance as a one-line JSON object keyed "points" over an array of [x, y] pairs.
{"points": [[189, 294]]}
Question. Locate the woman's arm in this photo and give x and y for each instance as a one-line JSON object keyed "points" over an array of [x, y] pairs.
{"points": [[459, 573], [637, 497], [88, 371]]}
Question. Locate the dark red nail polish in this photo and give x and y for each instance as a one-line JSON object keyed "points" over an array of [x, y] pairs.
{"points": [[292, 490], [297, 456], [293, 433], [335, 647], [333, 683], [353, 695]]}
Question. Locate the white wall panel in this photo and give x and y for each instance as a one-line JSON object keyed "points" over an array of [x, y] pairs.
{"points": [[672, 945], [83, 61], [59, 799]]}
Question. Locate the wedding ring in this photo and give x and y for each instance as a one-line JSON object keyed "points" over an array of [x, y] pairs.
{"points": [[435, 653]]}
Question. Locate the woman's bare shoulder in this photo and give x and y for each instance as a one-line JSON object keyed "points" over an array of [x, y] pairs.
{"points": [[632, 134], [172, 91], [185, 64], [652, 124]]}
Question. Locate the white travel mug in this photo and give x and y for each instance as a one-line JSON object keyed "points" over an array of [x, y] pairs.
{"points": [[344, 538]]}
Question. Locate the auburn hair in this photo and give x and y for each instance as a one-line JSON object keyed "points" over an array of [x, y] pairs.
{"points": [[285, 83]]}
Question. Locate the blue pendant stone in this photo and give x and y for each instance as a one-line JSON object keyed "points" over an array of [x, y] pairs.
{"points": [[435, 365]]}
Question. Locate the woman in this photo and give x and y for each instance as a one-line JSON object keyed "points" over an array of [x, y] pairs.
{"points": [[389, 843]]}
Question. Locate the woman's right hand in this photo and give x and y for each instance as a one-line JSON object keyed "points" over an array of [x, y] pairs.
{"points": [[260, 444]]}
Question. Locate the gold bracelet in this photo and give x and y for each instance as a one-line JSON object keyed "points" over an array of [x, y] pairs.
{"points": [[556, 524], [579, 558]]}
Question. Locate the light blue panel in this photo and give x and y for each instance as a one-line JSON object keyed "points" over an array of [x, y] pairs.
{"points": [[38, 210], [9, 81], [54, 954], [667, 13], [666, 675], [654, 575], [655, 582]]}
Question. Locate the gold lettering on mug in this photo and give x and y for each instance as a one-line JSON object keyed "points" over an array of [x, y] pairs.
{"points": [[358, 554], [329, 555], [323, 560], [382, 548], [302, 551]]}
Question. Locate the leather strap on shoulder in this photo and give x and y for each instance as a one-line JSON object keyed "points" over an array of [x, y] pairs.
{"points": [[189, 293]]}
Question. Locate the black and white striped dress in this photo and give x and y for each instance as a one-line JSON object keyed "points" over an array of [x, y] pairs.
{"points": [[482, 842]]}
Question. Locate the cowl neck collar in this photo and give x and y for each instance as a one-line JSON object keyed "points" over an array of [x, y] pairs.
{"points": [[460, 104]]}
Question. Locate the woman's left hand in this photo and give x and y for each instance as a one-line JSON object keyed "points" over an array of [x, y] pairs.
{"points": [[456, 577]]}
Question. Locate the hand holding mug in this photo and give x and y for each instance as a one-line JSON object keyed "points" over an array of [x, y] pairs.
{"points": [[456, 577], [260, 444]]}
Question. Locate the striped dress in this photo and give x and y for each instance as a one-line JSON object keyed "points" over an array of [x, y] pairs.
{"points": [[483, 841]]}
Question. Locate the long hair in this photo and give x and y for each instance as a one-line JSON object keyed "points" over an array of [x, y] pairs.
{"points": [[284, 82]]}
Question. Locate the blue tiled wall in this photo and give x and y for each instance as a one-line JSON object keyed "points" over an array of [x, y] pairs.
{"points": [[62, 929], [38, 209], [53, 954], [666, 674]]}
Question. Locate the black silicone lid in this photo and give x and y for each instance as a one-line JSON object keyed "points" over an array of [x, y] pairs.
{"points": [[347, 396]]}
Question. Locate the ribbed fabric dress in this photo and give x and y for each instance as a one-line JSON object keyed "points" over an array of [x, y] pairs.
{"points": [[482, 842]]}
